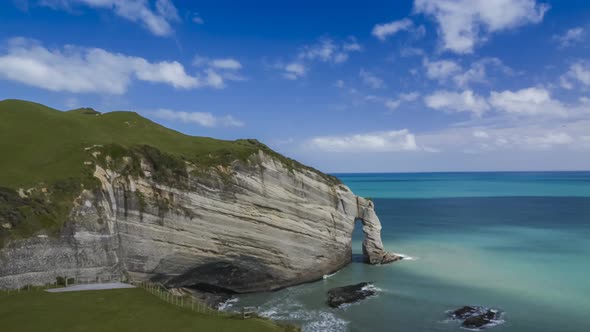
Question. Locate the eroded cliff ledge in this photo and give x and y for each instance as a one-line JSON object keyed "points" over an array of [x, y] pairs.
{"points": [[255, 226]]}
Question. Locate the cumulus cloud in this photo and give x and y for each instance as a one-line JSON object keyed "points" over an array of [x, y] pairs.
{"points": [[83, 70], [478, 72], [327, 50], [466, 101], [220, 70], [371, 79], [530, 101], [441, 70], [526, 137], [451, 71], [156, 17], [465, 23], [227, 63], [385, 30], [578, 72], [386, 141], [393, 103], [494, 139], [525, 102], [293, 70], [200, 118], [570, 37]]}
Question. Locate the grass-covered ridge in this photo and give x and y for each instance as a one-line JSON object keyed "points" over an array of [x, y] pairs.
{"points": [[46, 149]]}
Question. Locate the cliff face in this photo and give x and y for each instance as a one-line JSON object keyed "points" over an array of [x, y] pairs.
{"points": [[253, 226]]}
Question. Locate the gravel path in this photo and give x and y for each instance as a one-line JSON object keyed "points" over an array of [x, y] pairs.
{"points": [[76, 288]]}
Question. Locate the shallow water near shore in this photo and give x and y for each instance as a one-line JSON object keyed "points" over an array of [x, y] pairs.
{"points": [[519, 242]]}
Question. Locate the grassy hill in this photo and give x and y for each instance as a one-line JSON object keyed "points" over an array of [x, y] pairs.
{"points": [[117, 310], [41, 144], [46, 149]]}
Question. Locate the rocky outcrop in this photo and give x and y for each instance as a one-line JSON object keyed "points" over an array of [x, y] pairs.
{"points": [[253, 226], [373, 252], [476, 317], [340, 296]]}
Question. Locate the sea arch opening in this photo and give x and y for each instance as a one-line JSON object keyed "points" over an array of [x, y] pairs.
{"points": [[358, 237]]}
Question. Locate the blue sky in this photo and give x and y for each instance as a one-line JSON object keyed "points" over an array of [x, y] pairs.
{"points": [[372, 86]]}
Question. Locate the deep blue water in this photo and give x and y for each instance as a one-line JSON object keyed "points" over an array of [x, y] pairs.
{"points": [[519, 242]]}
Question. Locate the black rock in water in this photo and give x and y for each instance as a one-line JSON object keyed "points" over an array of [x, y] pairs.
{"points": [[349, 294], [474, 317], [464, 312]]}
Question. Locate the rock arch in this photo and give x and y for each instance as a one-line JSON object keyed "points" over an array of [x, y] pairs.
{"points": [[373, 251]]}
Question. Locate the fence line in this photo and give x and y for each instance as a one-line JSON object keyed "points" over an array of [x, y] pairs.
{"points": [[186, 302]]}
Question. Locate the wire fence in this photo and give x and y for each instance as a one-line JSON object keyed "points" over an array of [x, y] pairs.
{"points": [[187, 302]]}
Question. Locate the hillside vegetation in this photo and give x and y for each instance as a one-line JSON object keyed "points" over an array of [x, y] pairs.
{"points": [[43, 153]]}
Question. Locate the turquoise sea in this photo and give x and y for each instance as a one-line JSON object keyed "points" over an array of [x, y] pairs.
{"points": [[519, 242]]}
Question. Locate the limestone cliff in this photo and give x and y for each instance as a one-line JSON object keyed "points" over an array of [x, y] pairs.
{"points": [[251, 226]]}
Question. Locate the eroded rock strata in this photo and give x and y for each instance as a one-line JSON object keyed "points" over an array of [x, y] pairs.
{"points": [[252, 226]]}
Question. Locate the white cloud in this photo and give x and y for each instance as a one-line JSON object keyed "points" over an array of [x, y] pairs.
{"points": [[200, 118], [327, 50], [382, 31], [464, 23], [466, 101], [411, 51], [525, 102], [198, 19], [371, 79], [393, 103], [477, 72], [411, 96], [578, 72], [509, 140], [480, 134], [387, 141], [441, 70], [157, 19], [83, 70], [527, 137], [293, 70], [570, 37], [448, 70], [530, 101], [227, 63], [219, 70]]}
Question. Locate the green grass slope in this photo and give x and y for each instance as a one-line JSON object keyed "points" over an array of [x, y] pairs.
{"points": [[119, 310], [41, 144], [45, 149]]}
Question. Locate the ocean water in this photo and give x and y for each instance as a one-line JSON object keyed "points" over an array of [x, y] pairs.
{"points": [[518, 242]]}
